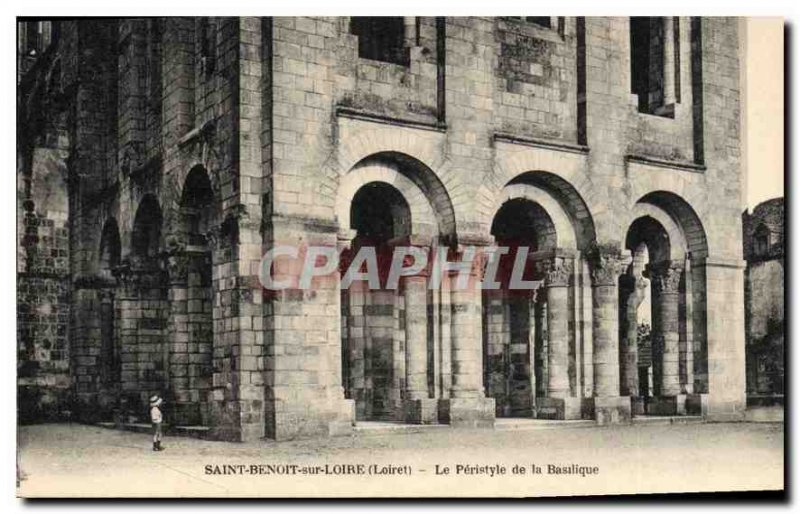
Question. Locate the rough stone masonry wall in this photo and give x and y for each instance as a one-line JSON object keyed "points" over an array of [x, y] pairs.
{"points": [[535, 93], [43, 293], [275, 162], [764, 296], [43, 265]]}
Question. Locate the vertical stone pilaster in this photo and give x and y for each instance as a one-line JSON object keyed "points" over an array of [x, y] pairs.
{"points": [[726, 398], [669, 60], [178, 336]]}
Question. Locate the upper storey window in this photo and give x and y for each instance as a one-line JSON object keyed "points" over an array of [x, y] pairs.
{"points": [[380, 39], [543, 21], [33, 37], [654, 64], [762, 241]]}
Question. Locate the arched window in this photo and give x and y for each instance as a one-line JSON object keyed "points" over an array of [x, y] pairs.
{"points": [[761, 241]]}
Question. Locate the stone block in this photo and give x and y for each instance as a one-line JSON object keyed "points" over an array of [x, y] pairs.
{"points": [[667, 405], [424, 411], [558, 408], [467, 412], [697, 404], [612, 410]]}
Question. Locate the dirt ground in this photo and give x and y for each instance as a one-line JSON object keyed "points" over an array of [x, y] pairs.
{"points": [[67, 460]]}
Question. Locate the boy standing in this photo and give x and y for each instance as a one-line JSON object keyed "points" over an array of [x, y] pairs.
{"points": [[156, 418]]}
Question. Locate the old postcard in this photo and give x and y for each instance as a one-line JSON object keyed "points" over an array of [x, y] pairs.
{"points": [[405, 256]]}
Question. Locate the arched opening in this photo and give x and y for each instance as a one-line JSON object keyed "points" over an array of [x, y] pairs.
{"points": [[142, 307], [514, 339], [379, 213], [110, 358], [656, 304], [374, 357], [192, 330], [396, 355], [761, 241], [109, 248], [146, 237], [687, 273]]}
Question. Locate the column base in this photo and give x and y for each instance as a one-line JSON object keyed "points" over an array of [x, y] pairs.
{"points": [[424, 411], [475, 412], [667, 405], [724, 409], [697, 404], [612, 410], [558, 408], [322, 419]]}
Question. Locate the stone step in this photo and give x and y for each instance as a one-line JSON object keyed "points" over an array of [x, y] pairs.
{"points": [[373, 427], [764, 414], [196, 432], [665, 420], [539, 424]]}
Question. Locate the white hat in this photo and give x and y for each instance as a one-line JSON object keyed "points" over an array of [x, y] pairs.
{"points": [[155, 399]]}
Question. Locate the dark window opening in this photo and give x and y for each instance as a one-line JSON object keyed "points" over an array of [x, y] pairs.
{"points": [[208, 46], [380, 39], [543, 21], [647, 62], [34, 37], [761, 241], [154, 62]]}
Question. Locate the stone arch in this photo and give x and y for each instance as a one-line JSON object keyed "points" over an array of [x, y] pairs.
{"points": [[565, 235], [198, 208], [565, 202], [146, 239], [110, 248], [431, 210], [686, 221], [388, 141], [676, 247]]}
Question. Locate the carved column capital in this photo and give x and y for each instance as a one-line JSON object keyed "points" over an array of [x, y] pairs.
{"points": [[607, 266], [214, 236], [665, 276], [557, 271], [105, 294], [178, 268]]}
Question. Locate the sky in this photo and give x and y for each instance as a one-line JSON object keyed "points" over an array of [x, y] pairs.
{"points": [[762, 108]]}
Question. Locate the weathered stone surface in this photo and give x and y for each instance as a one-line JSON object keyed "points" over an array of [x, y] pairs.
{"points": [[193, 145]]}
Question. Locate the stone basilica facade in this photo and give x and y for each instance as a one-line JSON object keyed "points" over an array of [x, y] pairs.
{"points": [[160, 158]]}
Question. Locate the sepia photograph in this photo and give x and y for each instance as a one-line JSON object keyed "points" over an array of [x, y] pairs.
{"points": [[400, 256]]}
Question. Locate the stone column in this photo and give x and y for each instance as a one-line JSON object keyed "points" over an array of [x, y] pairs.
{"points": [[558, 404], [467, 405], [669, 61], [178, 335], [532, 330], [417, 406], [410, 31], [609, 406], [666, 279], [556, 282], [352, 330], [632, 297]]}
